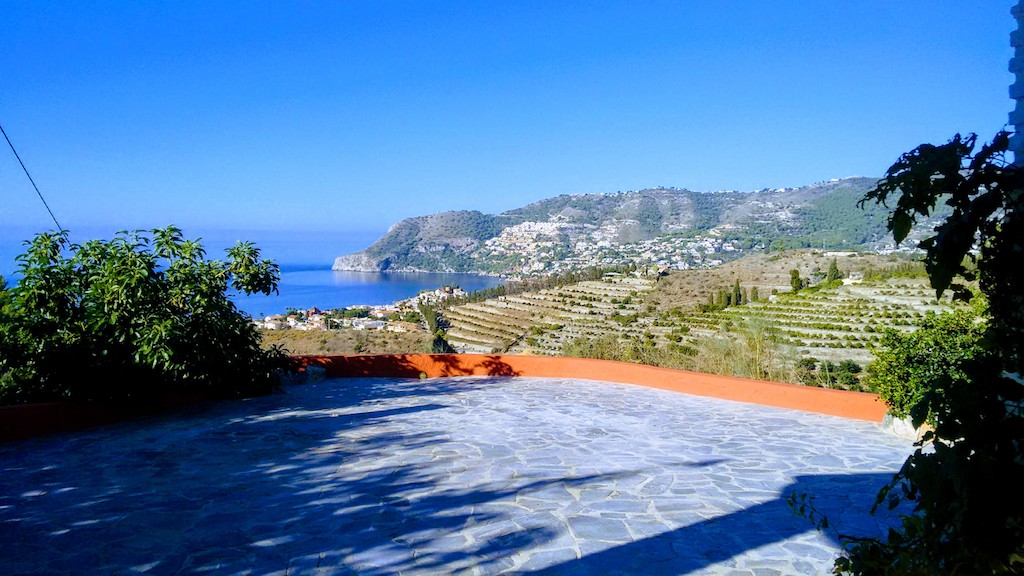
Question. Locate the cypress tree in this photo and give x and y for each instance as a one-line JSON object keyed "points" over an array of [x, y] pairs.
{"points": [[833, 272]]}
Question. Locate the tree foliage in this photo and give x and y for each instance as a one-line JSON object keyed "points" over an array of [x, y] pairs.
{"points": [[131, 319], [906, 365], [828, 374], [795, 282], [436, 325], [834, 273], [964, 479]]}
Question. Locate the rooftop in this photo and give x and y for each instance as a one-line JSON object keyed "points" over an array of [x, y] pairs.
{"points": [[481, 474]]}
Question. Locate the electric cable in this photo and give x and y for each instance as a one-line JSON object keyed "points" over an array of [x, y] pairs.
{"points": [[9, 143]]}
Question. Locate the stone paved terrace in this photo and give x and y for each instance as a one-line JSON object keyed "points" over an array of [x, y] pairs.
{"points": [[474, 475]]}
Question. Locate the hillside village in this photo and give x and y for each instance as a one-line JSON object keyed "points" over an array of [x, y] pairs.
{"points": [[667, 227], [534, 248], [534, 251]]}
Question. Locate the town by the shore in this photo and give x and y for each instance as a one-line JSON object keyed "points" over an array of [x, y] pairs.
{"points": [[399, 316]]}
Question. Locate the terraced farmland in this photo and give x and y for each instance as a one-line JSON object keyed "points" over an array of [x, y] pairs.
{"points": [[835, 324], [841, 323], [538, 322]]}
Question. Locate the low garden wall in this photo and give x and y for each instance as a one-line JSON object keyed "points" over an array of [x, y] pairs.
{"points": [[857, 405], [27, 421]]}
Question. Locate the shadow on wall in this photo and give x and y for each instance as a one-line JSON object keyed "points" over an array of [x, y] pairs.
{"points": [[858, 405], [26, 421], [410, 365]]}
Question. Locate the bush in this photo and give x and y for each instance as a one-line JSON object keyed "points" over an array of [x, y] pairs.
{"points": [[132, 319], [847, 380], [908, 365], [849, 367]]}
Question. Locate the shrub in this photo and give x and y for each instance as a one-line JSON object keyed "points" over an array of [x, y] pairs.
{"points": [[909, 364], [849, 366], [132, 318]]}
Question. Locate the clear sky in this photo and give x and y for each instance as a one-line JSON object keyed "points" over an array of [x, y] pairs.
{"points": [[351, 115]]}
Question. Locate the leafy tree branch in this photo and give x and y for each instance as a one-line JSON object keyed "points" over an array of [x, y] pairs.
{"points": [[130, 319]]}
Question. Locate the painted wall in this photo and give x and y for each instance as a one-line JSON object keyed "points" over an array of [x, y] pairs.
{"points": [[20, 422], [857, 405]]}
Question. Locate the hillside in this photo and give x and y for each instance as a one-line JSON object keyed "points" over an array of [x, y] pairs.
{"points": [[438, 242], [671, 227], [666, 321], [346, 341], [676, 320]]}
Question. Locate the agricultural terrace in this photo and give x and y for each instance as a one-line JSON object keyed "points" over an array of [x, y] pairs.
{"points": [[673, 320]]}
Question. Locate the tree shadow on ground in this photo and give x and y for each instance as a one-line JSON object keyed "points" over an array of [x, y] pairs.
{"points": [[324, 479], [315, 479]]}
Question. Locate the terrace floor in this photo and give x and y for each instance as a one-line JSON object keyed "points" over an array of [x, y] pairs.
{"points": [[476, 475]]}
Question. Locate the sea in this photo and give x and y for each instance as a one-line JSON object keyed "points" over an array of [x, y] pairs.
{"points": [[305, 259], [327, 289]]}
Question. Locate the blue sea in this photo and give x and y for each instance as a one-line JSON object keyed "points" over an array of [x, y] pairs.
{"points": [[327, 289], [305, 259]]}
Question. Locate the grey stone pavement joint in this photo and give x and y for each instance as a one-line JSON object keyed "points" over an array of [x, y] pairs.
{"points": [[466, 475]]}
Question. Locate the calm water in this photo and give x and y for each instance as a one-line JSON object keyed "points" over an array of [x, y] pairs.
{"points": [[305, 259], [326, 289]]}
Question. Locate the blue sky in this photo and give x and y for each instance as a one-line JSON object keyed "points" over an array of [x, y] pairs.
{"points": [[352, 115]]}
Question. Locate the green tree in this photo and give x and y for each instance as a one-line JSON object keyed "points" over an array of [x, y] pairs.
{"points": [[827, 373], [833, 272], [430, 316], [849, 366], [805, 369], [964, 479], [436, 326], [794, 280], [132, 318], [737, 293]]}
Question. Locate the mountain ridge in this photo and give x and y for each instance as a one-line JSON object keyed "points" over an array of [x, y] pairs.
{"points": [[671, 227]]}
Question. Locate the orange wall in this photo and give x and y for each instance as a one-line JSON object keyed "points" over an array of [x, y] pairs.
{"points": [[19, 422], [857, 405]]}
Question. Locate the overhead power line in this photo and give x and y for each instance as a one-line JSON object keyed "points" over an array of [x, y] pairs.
{"points": [[9, 143]]}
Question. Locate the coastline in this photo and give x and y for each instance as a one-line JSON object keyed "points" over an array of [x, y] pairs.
{"points": [[324, 288], [408, 270], [360, 262]]}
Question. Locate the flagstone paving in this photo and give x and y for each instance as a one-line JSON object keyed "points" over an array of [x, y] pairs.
{"points": [[474, 475]]}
